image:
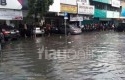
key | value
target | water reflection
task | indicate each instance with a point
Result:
(102, 59)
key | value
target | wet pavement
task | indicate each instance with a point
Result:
(89, 56)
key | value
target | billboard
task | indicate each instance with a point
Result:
(68, 8)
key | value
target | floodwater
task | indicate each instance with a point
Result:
(89, 56)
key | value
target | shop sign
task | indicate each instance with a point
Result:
(76, 17)
(85, 9)
(116, 3)
(74, 2)
(84, 2)
(68, 8)
(6, 14)
(112, 14)
(60, 14)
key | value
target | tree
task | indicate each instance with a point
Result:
(38, 7)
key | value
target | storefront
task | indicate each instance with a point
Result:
(72, 8)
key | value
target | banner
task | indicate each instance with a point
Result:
(85, 9)
(6, 14)
(68, 8)
(113, 14)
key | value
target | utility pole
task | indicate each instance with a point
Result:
(65, 22)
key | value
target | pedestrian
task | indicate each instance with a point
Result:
(25, 30)
(48, 29)
(21, 29)
(28, 31)
(113, 26)
(33, 30)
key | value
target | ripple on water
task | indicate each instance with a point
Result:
(103, 60)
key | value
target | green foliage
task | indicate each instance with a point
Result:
(38, 7)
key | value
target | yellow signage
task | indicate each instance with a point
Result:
(68, 8)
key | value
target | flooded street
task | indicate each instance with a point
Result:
(89, 56)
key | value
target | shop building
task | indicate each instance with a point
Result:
(106, 10)
(10, 10)
(78, 10)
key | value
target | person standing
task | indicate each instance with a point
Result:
(48, 29)
(32, 30)
(25, 30)
(21, 29)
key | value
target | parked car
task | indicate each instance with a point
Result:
(10, 33)
(70, 29)
(120, 27)
(55, 30)
(39, 31)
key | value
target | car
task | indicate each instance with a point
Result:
(70, 29)
(120, 27)
(39, 31)
(55, 30)
(10, 33)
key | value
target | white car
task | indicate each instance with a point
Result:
(38, 31)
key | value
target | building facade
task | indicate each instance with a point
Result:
(77, 10)
(106, 10)
(88, 11)
(80, 11)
